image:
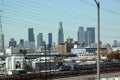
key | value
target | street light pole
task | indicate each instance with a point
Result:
(98, 40)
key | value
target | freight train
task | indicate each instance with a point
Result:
(89, 66)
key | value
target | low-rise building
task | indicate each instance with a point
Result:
(85, 56)
(64, 48)
(11, 51)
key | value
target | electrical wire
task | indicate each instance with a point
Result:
(105, 9)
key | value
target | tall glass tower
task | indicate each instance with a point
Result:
(91, 35)
(60, 34)
(31, 38)
(21, 44)
(39, 40)
(1, 37)
(81, 36)
(31, 35)
(50, 39)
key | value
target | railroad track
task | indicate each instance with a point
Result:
(56, 75)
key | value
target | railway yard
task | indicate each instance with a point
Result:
(61, 75)
(65, 69)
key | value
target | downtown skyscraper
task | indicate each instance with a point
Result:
(40, 40)
(12, 43)
(81, 38)
(86, 38)
(50, 39)
(90, 35)
(60, 34)
(1, 37)
(31, 38)
(21, 43)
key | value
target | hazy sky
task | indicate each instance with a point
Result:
(44, 16)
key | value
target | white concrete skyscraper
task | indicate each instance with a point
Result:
(1, 37)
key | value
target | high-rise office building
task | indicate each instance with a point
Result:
(60, 34)
(86, 38)
(22, 41)
(31, 38)
(1, 37)
(12, 43)
(50, 39)
(21, 44)
(91, 35)
(81, 36)
(31, 35)
(44, 43)
(40, 40)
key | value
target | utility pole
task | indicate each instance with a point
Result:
(45, 61)
(1, 31)
(49, 47)
(98, 40)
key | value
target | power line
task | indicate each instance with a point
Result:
(40, 29)
(38, 19)
(37, 15)
(82, 0)
(24, 22)
(19, 22)
(28, 3)
(26, 12)
(42, 15)
(111, 11)
(56, 15)
(37, 26)
(22, 13)
(47, 9)
(41, 19)
(105, 9)
(23, 25)
(15, 14)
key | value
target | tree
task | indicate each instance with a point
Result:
(114, 55)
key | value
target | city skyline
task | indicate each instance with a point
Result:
(82, 38)
(43, 16)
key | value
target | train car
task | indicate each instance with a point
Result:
(94, 66)
(84, 67)
(65, 68)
